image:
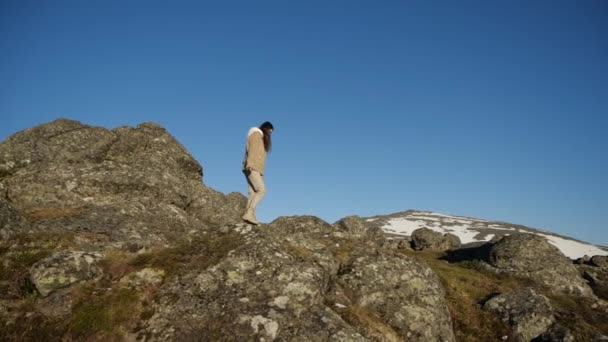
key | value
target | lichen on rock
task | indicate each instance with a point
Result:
(64, 269)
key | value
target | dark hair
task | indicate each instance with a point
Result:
(266, 127)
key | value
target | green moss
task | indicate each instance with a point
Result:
(103, 314)
(200, 252)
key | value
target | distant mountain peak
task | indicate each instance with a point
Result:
(475, 231)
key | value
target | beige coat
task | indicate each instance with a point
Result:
(255, 154)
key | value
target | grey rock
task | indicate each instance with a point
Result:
(280, 283)
(599, 261)
(529, 314)
(597, 279)
(63, 269)
(353, 227)
(390, 244)
(557, 333)
(10, 220)
(404, 244)
(135, 186)
(532, 256)
(265, 289)
(300, 225)
(583, 260)
(406, 294)
(427, 239)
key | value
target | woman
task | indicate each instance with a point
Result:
(258, 145)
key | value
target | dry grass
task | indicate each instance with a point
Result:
(102, 315)
(200, 252)
(46, 240)
(117, 264)
(342, 249)
(368, 323)
(467, 287)
(579, 315)
(14, 272)
(41, 214)
(298, 252)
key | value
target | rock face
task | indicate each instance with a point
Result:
(131, 186)
(64, 269)
(427, 239)
(532, 256)
(530, 314)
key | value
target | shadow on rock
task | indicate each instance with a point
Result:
(474, 253)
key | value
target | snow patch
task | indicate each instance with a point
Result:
(465, 230)
(573, 249)
(406, 226)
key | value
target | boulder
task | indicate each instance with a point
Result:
(396, 243)
(585, 259)
(354, 227)
(289, 225)
(599, 261)
(597, 279)
(404, 244)
(405, 293)
(63, 269)
(427, 239)
(529, 314)
(533, 257)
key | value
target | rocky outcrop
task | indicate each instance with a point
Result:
(532, 256)
(177, 263)
(267, 288)
(285, 281)
(427, 239)
(527, 312)
(64, 269)
(128, 185)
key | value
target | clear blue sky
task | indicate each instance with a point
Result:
(489, 109)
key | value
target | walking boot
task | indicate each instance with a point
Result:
(249, 217)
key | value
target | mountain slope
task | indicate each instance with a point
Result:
(471, 230)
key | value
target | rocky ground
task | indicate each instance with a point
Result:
(111, 235)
